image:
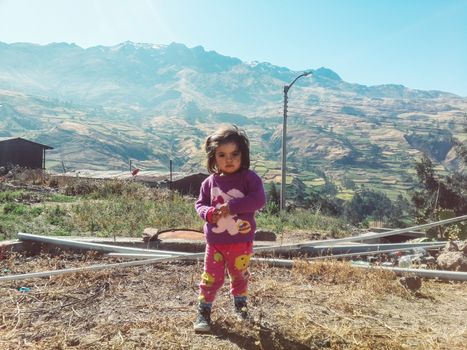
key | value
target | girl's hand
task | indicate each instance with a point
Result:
(215, 217)
(224, 209)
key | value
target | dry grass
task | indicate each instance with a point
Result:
(333, 272)
(325, 305)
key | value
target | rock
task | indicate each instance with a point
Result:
(451, 247)
(463, 247)
(262, 235)
(450, 260)
(73, 341)
(150, 234)
(412, 283)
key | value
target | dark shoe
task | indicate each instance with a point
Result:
(203, 319)
(241, 307)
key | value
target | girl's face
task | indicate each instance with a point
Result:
(228, 158)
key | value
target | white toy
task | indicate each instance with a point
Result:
(225, 223)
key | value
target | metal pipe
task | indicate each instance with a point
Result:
(443, 275)
(147, 260)
(135, 251)
(272, 262)
(439, 274)
(335, 256)
(114, 249)
(295, 246)
(374, 252)
(97, 267)
(364, 236)
(361, 248)
(138, 255)
(275, 262)
(106, 248)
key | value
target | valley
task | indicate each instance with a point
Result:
(150, 105)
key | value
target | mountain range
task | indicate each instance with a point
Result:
(103, 106)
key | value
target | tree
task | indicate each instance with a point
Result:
(354, 210)
(399, 209)
(347, 182)
(327, 205)
(365, 203)
(273, 199)
(437, 193)
(437, 197)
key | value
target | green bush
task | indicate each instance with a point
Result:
(14, 209)
(10, 196)
(300, 219)
(60, 198)
(56, 215)
(36, 211)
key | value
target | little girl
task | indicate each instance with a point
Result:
(227, 202)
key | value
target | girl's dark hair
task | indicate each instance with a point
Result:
(223, 136)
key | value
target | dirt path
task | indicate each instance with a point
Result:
(313, 306)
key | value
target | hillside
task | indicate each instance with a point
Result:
(104, 106)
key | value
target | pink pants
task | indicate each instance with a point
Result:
(235, 258)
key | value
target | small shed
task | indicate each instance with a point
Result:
(25, 153)
(189, 184)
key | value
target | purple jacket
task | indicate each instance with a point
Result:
(244, 192)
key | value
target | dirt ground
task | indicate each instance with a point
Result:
(325, 305)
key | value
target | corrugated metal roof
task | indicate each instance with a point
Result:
(3, 139)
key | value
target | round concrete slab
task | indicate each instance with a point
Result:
(181, 234)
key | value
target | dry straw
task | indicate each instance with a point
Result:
(312, 306)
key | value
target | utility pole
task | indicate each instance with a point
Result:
(284, 151)
(170, 181)
(284, 140)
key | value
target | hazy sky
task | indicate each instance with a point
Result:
(421, 44)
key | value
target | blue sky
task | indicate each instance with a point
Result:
(421, 44)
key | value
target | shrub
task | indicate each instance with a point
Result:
(56, 215)
(300, 219)
(14, 208)
(10, 196)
